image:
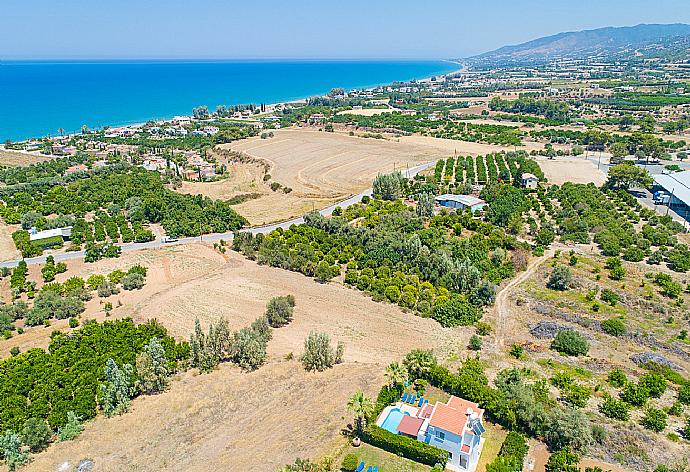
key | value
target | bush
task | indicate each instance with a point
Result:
(73, 322)
(517, 351)
(577, 395)
(475, 343)
(684, 394)
(613, 326)
(36, 434)
(561, 278)
(563, 461)
(571, 343)
(616, 409)
(279, 310)
(349, 463)
(609, 296)
(654, 383)
(636, 395)
(514, 445)
(404, 446)
(456, 312)
(133, 281)
(106, 289)
(617, 378)
(318, 352)
(655, 419)
(71, 429)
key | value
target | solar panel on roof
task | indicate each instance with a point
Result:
(478, 428)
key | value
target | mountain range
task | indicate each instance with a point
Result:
(622, 43)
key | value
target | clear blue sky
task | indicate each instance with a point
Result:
(303, 28)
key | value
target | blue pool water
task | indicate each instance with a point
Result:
(40, 97)
(393, 420)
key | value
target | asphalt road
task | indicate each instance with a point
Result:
(66, 256)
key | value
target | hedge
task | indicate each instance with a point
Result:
(404, 446)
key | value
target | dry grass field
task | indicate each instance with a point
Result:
(8, 250)
(13, 158)
(322, 168)
(230, 420)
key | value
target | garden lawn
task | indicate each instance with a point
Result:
(386, 461)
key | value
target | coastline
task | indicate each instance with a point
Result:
(459, 67)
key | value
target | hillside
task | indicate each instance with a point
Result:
(624, 43)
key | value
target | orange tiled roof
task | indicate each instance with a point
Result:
(452, 416)
(410, 425)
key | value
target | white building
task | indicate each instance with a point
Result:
(449, 200)
(455, 426)
(529, 180)
(35, 235)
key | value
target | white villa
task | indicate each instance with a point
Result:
(455, 426)
(529, 180)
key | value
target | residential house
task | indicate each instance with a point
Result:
(455, 426)
(76, 168)
(529, 180)
(460, 202)
(64, 233)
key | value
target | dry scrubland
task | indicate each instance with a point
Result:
(530, 302)
(230, 420)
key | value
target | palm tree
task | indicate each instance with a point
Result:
(361, 407)
(61, 131)
(396, 374)
(84, 129)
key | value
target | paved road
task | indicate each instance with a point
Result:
(65, 256)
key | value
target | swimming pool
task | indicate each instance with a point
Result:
(393, 420)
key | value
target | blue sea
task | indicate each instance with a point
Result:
(38, 98)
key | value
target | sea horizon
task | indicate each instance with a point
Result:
(45, 95)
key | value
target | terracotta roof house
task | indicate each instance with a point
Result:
(455, 426)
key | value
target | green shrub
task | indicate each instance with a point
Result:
(684, 394)
(617, 378)
(133, 281)
(36, 434)
(456, 312)
(616, 409)
(73, 322)
(654, 383)
(571, 343)
(404, 446)
(609, 296)
(475, 343)
(279, 310)
(517, 351)
(577, 395)
(613, 326)
(561, 278)
(349, 463)
(562, 461)
(655, 419)
(636, 395)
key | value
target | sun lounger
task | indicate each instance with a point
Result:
(404, 398)
(360, 467)
(414, 399)
(376, 468)
(369, 469)
(421, 401)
